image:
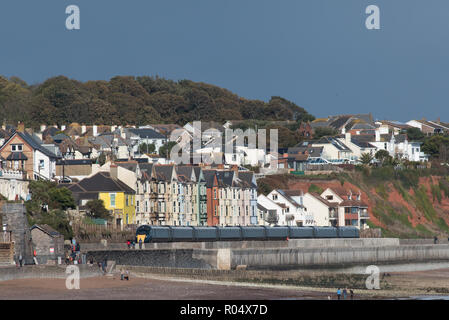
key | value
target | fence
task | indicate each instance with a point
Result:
(322, 167)
(94, 232)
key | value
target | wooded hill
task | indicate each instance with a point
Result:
(133, 100)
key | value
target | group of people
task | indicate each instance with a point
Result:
(132, 244)
(73, 255)
(345, 294)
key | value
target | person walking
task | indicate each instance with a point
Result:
(345, 293)
(140, 243)
(20, 260)
(352, 294)
(338, 294)
(129, 244)
(435, 240)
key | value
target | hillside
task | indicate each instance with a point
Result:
(133, 100)
(406, 207)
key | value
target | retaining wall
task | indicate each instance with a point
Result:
(292, 243)
(275, 258)
(227, 258)
(45, 272)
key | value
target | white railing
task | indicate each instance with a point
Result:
(11, 174)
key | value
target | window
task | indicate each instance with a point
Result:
(112, 200)
(41, 164)
(16, 147)
(137, 206)
(275, 196)
(127, 200)
(329, 197)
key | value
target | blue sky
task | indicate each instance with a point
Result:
(316, 53)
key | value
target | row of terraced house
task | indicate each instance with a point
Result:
(146, 193)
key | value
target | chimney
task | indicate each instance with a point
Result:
(43, 127)
(114, 171)
(94, 130)
(83, 129)
(377, 135)
(348, 137)
(21, 127)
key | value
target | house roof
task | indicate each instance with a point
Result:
(100, 182)
(324, 201)
(288, 196)
(35, 143)
(336, 143)
(209, 177)
(164, 172)
(47, 229)
(184, 173)
(17, 156)
(74, 162)
(146, 133)
(247, 177)
(131, 166)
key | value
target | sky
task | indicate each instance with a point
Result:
(316, 53)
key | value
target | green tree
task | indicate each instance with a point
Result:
(165, 150)
(434, 144)
(324, 131)
(384, 157)
(147, 148)
(414, 134)
(97, 210)
(366, 158)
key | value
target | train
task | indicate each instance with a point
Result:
(148, 233)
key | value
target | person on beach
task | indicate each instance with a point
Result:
(338, 294)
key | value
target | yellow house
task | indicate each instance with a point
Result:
(117, 197)
(121, 204)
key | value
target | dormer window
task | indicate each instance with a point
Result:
(16, 147)
(329, 197)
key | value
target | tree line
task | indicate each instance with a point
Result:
(133, 100)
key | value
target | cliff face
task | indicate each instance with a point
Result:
(419, 211)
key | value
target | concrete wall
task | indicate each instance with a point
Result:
(292, 243)
(275, 258)
(45, 272)
(230, 258)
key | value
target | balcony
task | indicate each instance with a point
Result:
(13, 174)
(364, 214)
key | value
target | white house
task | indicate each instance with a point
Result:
(325, 213)
(295, 213)
(399, 147)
